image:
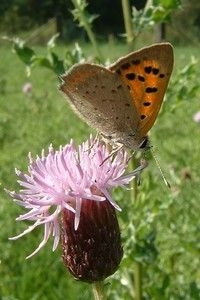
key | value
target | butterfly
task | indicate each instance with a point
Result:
(122, 101)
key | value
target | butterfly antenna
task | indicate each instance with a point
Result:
(159, 168)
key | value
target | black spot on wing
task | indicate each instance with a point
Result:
(125, 66)
(148, 69)
(150, 90)
(155, 71)
(136, 62)
(141, 78)
(162, 75)
(146, 103)
(130, 76)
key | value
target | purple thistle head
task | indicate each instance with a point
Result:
(68, 192)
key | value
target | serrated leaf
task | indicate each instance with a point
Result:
(57, 64)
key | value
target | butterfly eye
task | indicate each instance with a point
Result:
(144, 143)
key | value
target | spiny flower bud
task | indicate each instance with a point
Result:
(93, 251)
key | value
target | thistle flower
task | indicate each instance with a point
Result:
(68, 192)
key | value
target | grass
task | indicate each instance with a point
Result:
(31, 123)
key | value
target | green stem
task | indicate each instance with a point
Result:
(138, 281)
(138, 265)
(134, 183)
(83, 20)
(97, 288)
(128, 23)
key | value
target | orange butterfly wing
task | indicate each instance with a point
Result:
(146, 73)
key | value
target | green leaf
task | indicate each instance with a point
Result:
(167, 4)
(160, 15)
(25, 53)
(41, 61)
(57, 64)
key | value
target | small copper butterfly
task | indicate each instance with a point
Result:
(123, 100)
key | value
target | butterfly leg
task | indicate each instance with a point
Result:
(119, 147)
(93, 141)
(142, 166)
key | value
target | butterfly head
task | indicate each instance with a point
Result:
(144, 143)
(129, 140)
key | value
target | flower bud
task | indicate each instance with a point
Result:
(93, 251)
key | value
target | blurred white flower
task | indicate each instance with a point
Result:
(196, 117)
(27, 88)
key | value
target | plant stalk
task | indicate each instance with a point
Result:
(137, 265)
(84, 22)
(134, 183)
(97, 288)
(138, 280)
(128, 23)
